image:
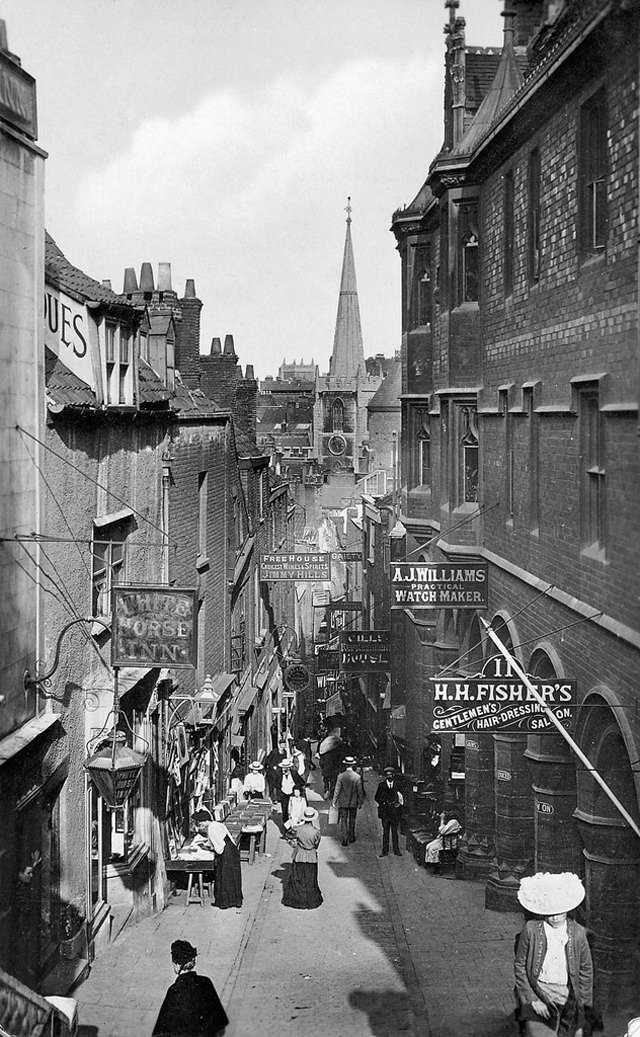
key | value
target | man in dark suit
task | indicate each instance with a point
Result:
(348, 796)
(390, 802)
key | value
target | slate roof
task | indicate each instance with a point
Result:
(70, 279)
(388, 395)
(153, 391)
(64, 388)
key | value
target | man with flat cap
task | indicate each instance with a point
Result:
(348, 797)
(390, 802)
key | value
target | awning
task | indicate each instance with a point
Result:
(25, 735)
(245, 699)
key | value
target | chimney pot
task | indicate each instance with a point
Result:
(229, 347)
(130, 281)
(190, 289)
(106, 282)
(146, 278)
(4, 43)
(250, 375)
(216, 346)
(164, 277)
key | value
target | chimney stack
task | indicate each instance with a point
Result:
(146, 278)
(164, 277)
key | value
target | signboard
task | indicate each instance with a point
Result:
(365, 650)
(497, 700)
(345, 606)
(296, 677)
(327, 659)
(320, 598)
(347, 556)
(18, 97)
(68, 332)
(303, 565)
(154, 626)
(433, 585)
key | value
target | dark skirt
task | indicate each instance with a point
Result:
(301, 888)
(227, 876)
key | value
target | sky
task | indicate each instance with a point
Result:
(225, 136)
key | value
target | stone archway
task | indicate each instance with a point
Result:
(557, 844)
(611, 847)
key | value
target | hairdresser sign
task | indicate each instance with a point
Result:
(498, 700)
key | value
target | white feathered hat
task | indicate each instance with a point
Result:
(549, 894)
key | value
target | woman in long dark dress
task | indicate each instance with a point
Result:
(227, 873)
(191, 1007)
(301, 889)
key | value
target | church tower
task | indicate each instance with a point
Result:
(340, 418)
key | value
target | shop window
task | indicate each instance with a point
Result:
(108, 562)
(592, 164)
(533, 216)
(509, 232)
(592, 473)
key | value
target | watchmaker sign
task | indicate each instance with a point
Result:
(365, 650)
(303, 565)
(434, 585)
(497, 700)
(154, 626)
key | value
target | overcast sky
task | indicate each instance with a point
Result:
(224, 136)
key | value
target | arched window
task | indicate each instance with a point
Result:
(337, 415)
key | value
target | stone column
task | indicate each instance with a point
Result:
(514, 843)
(558, 846)
(476, 850)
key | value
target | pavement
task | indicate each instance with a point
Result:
(394, 950)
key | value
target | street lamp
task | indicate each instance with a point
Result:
(114, 767)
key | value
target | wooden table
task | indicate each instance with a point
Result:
(195, 870)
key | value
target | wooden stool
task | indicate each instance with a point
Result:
(197, 890)
(254, 832)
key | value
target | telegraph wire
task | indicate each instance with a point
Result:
(101, 486)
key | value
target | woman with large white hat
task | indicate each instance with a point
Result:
(553, 967)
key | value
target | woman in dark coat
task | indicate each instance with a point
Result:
(301, 888)
(191, 1007)
(227, 873)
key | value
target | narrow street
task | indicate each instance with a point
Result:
(393, 950)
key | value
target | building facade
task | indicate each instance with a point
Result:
(519, 444)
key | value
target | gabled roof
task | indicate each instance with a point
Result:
(507, 80)
(69, 278)
(388, 395)
(192, 402)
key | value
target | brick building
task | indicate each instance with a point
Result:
(519, 443)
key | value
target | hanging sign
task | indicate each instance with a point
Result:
(345, 606)
(302, 565)
(153, 626)
(296, 677)
(365, 650)
(347, 556)
(70, 332)
(327, 659)
(497, 700)
(434, 585)
(18, 97)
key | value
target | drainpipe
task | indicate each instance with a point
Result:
(166, 483)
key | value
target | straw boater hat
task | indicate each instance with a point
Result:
(389, 770)
(285, 763)
(255, 766)
(549, 894)
(309, 813)
(349, 761)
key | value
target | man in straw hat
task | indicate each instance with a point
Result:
(289, 779)
(553, 967)
(348, 797)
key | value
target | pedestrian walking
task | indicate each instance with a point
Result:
(272, 768)
(390, 802)
(348, 798)
(297, 807)
(299, 762)
(301, 888)
(289, 779)
(227, 873)
(254, 783)
(553, 966)
(191, 1007)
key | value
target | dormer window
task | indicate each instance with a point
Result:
(119, 376)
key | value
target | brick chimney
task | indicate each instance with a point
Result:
(220, 372)
(246, 403)
(188, 337)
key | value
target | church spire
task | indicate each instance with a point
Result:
(348, 351)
